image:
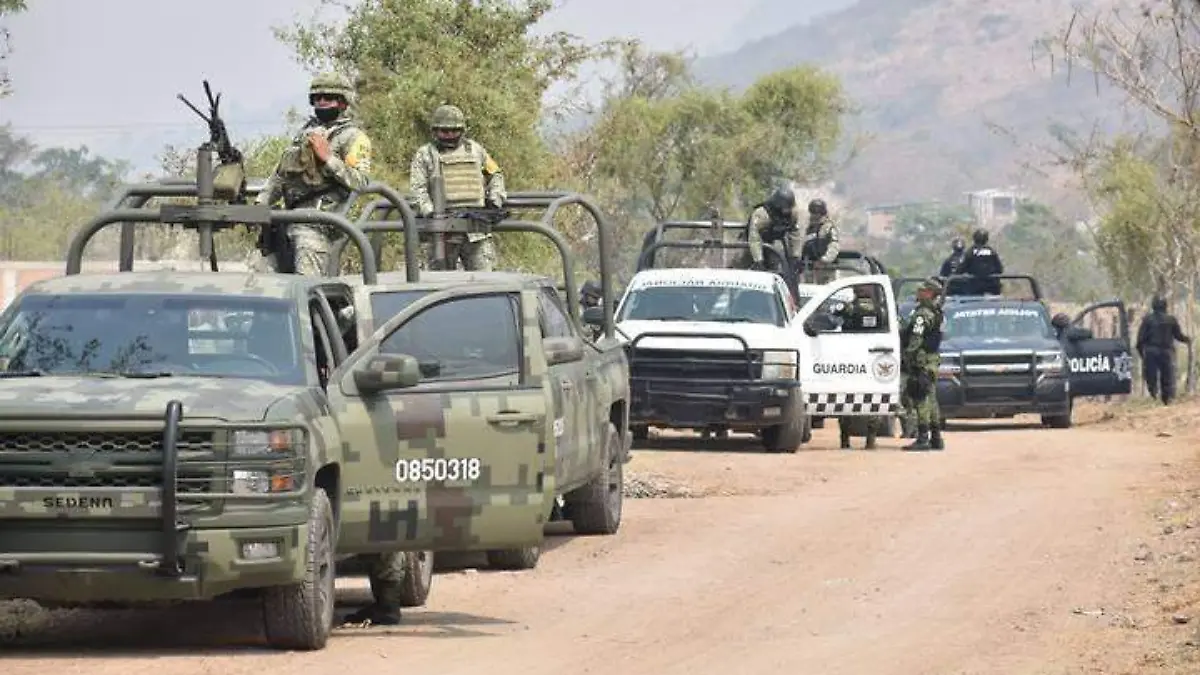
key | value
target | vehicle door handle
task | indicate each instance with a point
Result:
(881, 350)
(511, 418)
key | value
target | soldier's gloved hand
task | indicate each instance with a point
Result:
(495, 203)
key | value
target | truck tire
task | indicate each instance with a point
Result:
(1060, 421)
(640, 432)
(514, 558)
(418, 578)
(300, 616)
(806, 434)
(595, 508)
(788, 436)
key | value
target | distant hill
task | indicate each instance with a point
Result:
(929, 75)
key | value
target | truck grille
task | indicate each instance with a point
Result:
(100, 441)
(998, 376)
(131, 460)
(670, 364)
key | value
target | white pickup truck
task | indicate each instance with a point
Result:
(725, 349)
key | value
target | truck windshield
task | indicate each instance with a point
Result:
(153, 334)
(701, 303)
(998, 322)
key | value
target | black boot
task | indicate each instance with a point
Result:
(870, 440)
(922, 442)
(844, 433)
(935, 437)
(375, 614)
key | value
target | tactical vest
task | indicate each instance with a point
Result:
(1160, 332)
(299, 166)
(860, 310)
(776, 229)
(932, 340)
(462, 176)
(815, 246)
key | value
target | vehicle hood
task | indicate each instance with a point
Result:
(756, 335)
(1036, 343)
(229, 399)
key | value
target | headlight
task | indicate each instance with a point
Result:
(1050, 362)
(950, 364)
(779, 365)
(265, 443)
(266, 461)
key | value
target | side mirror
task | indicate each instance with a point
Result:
(562, 350)
(593, 316)
(819, 323)
(1076, 333)
(386, 372)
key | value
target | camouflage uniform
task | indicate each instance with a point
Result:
(821, 244)
(471, 179)
(775, 220)
(861, 314)
(920, 365)
(303, 182)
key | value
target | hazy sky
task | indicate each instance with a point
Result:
(104, 73)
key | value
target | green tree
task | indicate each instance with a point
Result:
(409, 56)
(921, 237)
(1040, 244)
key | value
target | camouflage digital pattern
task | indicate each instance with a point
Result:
(760, 221)
(348, 444)
(475, 256)
(302, 182)
(920, 362)
(471, 179)
(860, 314)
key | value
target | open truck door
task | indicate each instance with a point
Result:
(1099, 365)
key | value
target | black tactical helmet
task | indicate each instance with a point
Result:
(817, 208)
(591, 289)
(1060, 320)
(957, 245)
(782, 200)
(980, 237)
(1158, 304)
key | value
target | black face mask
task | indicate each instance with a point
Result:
(327, 115)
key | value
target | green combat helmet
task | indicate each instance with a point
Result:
(449, 117)
(331, 84)
(934, 287)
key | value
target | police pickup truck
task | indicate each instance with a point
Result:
(729, 349)
(1002, 357)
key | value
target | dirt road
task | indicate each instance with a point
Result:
(1015, 551)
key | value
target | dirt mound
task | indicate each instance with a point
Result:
(1181, 418)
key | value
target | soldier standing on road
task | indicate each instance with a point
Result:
(470, 179)
(821, 245)
(1156, 347)
(920, 364)
(860, 315)
(775, 220)
(328, 159)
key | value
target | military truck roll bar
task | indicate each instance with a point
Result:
(716, 229)
(218, 216)
(550, 202)
(1034, 287)
(647, 258)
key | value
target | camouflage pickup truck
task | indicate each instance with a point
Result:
(174, 436)
(483, 335)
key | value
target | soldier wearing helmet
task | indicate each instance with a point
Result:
(920, 363)
(328, 159)
(982, 263)
(470, 178)
(774, 220)
(821, 245)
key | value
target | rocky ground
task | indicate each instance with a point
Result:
(1018, 550)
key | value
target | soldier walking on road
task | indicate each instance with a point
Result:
(920, 362)
(470, 179)
(328, 159)
(1156, 346)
